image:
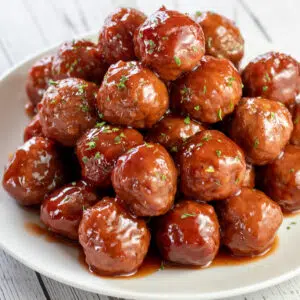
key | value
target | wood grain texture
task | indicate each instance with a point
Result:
(27, 26)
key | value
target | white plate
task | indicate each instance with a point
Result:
(60, 262)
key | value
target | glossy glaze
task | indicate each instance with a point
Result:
(132, 95)
(189, 234)
(170, 43)
(68, 110)
(262, 128)
(249, 179)
(80, 59)
(99, 148)
(295, 138)
(116, 35)
(208, 93)
(223, 39)
(273, 76)
(114, 242)
(146, 179)
(212, 166)
(249, 222)
(34, 170)
(281, 179)
(62, 210)
(37, 79)
(34, 128)
(172, 131)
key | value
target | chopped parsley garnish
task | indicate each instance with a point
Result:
(256, 143)
(115, 129)
(209, 41)
(152, 46)
(207, 137)
(83, 208)
(231, 105)
(148, 145)
(177, 61)
(85, 159)
(210, 169)
(91, 145)
(237, 181)
(198, 13)
(194, 48)
(118, 138)
(81, 88)
(74, 63)
(220, 141)
(66, 199)
(187, 120)
(292, 170)
(204, 89)
(84, 107)
(121, 85)
(140, 34)
(296, 121)
(131, 64)
(73, 183)
(188, 215)
(97, 155)
(108, 99)
(265, 88)
(219, 153)
(199, 144)
(99, 125)
(272, 115)
(185, 90)
(164, 38)
(237, 158)
(163, 177)
(267, 78)
(230, 80)
(174, 149)
(162, 134)
(52, 82)
(162, 266)
(197, 108)
(220, 114)
(217, 182)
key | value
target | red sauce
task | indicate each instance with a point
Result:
(152, 262)
(30, 109)
(291, 214)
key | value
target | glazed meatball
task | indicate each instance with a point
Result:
(80, 59)
(34, 128)
(280, 179)
(249, 222)
(99, 148)
(249, 179)
(223, 38)
(37, 79)
(189, 234)
(208, 93)
(145, 178)
(34, 171)
(62, 210)
(114, 242)
(116, 36)
(262, 128)
(295, 138)
(132, 95)
(173, 131)
(170, 43)
(273, 76)
(68, 110)
(212, 166)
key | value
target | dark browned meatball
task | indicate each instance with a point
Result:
(273, 76)
(249, 179)
(80, 59)
(189, 234)
(145, 178)
(62, 210)
(132, 95)
(34, 171)
(37, 80)
(34, 128)
(262, 128)
(114, 242)
(223, 38)
(280, 179)
(116, 36)
(173, 131)
(68, 110)
(249, 222)
(295, 138)
(212, 166)
(170, 43)
(210, 92)
(99, 148)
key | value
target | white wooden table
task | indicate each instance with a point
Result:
(27, 26)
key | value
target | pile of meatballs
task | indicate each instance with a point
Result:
(156, 132)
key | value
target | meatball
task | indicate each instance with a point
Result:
(295, 138)
(116, 36)
(172, 131)
(80, 59)
(223, 38)
(212, 166)
(170, 43)
(210, 92)
(37, 80)
(262, 128)
(132, 95)
(273, 76)
(114, 242)
(281, 181)
(34, 171)
(145, 178)
(99, 148)
(189, 234)
(34, 128)
(249, 179)
(249, 222)
(68, 110)
(62, 210)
